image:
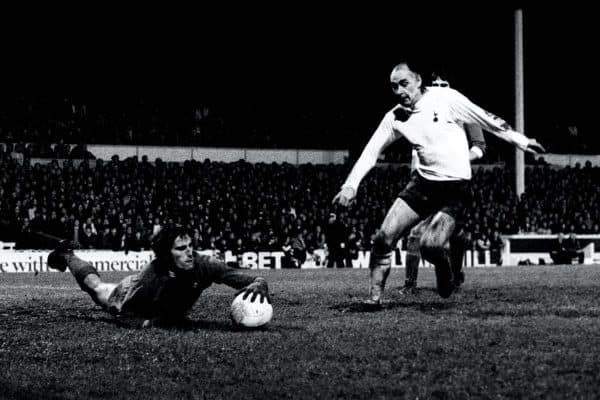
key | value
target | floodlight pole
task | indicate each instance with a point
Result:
(519, 103)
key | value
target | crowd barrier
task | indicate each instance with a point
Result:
(536, 247)
(33, 261)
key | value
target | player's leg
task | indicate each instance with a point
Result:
(457, 254)
(399, 218)
(84, 272)
(435, 248)
(99, 291)
(413, 257)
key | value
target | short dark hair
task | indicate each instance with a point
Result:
(162, 242)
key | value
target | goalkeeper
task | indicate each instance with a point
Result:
(167, 288)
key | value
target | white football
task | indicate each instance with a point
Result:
(250, 314)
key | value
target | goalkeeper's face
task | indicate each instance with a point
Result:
(406, 84)
(182, 253)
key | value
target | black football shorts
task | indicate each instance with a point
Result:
(427, 197)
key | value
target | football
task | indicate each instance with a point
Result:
(250, 314)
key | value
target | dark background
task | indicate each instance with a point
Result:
(262, 61)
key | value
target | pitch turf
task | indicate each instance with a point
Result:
(526, 332)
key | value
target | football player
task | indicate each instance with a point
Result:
(457, 248)
(167, 288)
(432, 119)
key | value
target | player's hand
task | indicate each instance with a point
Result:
(258, 288)
(534, 147)
(345, 197)
(475, 153)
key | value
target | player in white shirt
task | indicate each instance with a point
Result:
(432, 120)
(457, 248)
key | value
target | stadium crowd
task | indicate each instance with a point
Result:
(118, 204)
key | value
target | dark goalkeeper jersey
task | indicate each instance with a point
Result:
(157, 291)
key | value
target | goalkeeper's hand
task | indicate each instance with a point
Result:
(258, 288)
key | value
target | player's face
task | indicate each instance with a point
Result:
(182, 252)
(439, 82)
(406, 85)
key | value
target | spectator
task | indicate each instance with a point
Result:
(103, 239)
(496, 248)
(156, 227)
(54, 226)
(353, 246)
(134, 241)
(298, 249)
(88, 240)
(335, 235)
(115, 240)
(90, 224)
(74, 230)
(272, 241)
(197, 241)
(239, 248)
(559, 249)
(574, 249)
(567, 248)
(482, 245)
(129, 242)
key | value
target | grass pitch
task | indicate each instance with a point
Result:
(526, 332)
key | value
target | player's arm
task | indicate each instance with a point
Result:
(219, 272)
(383, 136)
(476, 142)
(471, 113)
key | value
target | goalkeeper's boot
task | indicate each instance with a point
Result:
(56, 258)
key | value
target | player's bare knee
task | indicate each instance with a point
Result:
(382, 243)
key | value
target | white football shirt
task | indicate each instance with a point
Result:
(435, 130)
